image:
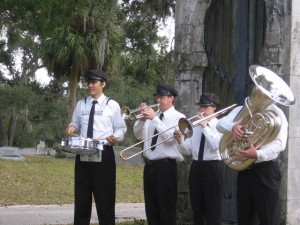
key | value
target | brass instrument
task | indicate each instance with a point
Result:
(185, 126)
(262, 125)
(133, 114)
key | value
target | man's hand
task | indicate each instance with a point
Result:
(178, 136)
(148, 113)
(238, 131)
(142, 108)
(204, 123)
(112, 140)
(250, 152)
(70, 130)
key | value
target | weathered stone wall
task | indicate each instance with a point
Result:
(281, 53)
(190, 57)
(191, 61)
(291, 69)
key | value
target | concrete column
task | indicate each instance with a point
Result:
(190, 63)
(292, 199)
(281, 54)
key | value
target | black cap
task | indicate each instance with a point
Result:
(94, 75)
(209, 99)
(165, 90)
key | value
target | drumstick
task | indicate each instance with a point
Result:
(99, 138)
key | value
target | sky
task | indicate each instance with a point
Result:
(42, 77)
(168, 30)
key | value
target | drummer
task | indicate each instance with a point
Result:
(96, 117)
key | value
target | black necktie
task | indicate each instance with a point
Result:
(154, 139)
(91, 121)
(201, 149)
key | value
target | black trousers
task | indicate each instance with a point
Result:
(206, 192)
(97, 179)
(258, 193)
(160, 190)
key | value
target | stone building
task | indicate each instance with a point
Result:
(215, 43)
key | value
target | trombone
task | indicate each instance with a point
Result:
(185, 126)
(131, 114)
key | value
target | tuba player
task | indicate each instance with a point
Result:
(258, 186)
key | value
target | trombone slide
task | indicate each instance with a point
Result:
(185, 127)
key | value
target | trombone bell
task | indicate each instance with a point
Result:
(185, 128)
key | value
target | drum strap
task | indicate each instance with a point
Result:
(102, 107)
(105, 104)
(108, 98)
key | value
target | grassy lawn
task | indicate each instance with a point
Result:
(45, 180)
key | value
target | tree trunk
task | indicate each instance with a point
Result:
(102, 46)
(11, 127)
(73, 89)
(4, 134)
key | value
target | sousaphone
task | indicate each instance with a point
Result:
(262, 125)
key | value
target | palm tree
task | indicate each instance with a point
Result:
(74, 49)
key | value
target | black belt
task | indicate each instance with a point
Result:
(107, 147)
(256, 165)
(157, 161)
(207, 161)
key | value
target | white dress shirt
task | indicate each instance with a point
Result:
(144, 129)
(107, 120)
(265, 152)
(211, 147)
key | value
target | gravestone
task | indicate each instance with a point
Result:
(41, 149)
(11, 153)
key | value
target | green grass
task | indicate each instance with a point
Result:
(45, 180)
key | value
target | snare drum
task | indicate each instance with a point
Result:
(78, 145)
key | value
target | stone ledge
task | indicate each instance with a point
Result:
(15, 153)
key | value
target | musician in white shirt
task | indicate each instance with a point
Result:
(258, 187)
(94, 177)
(206, 174)
(160, 171)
